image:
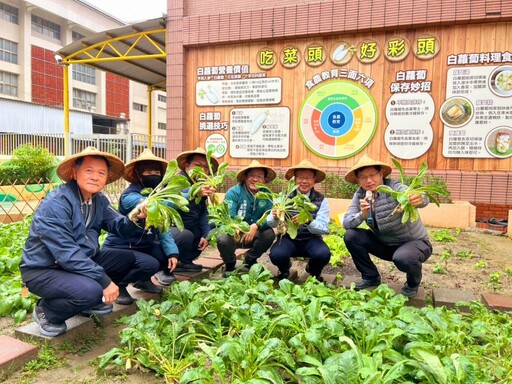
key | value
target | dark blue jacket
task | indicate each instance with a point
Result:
(59, 237)
(130, 198)
(197, 216)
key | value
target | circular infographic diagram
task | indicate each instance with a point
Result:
(338, 119)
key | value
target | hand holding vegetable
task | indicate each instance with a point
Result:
(409, 199)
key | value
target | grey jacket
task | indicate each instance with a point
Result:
(387, 227)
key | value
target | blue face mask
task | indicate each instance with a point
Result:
(151, 181)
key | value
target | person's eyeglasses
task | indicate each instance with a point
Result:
(367, 177)
(201, 165)
(304, 178)
(255, 176)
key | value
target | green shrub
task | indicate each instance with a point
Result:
(35, 163)
(337, 187)
(10, 174)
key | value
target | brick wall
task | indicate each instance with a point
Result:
(117, 95)
(47, 84)
(488, 211)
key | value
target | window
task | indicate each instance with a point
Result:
(76, 36)
(8, 13)
(45, 27)
(84, 73)
(162, 98)
(140, 107)
(8, 51)
(8, 84)
(162, 126)
(83, 99)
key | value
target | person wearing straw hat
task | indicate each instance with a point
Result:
(242, 202)
(309, 242)
(62, 261)
(406, 245)
(192, 240)
(146, 171)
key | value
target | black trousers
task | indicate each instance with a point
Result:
(407, 257)
(187, 242)
(313, 248)
(65, 294)
(227, 246)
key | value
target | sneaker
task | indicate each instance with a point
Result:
(319, 278)
(124, 297)
(98, 310)
(165, 277)
(148, 286)
(229, 268)
(188, 267)
(45, 327)
(367, 283)
(408, 291)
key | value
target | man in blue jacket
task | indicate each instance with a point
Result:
(406, 245)
(146, 171)
(62, 261)
(242, 202)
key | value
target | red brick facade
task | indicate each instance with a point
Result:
(117, 95)
(47, 85)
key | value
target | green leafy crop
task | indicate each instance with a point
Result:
(224, 224)
(161, 201)
(287, 207)
(214, 178)
(404, 207)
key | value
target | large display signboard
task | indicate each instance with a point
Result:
(477, 112)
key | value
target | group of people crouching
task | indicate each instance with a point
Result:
(64, 265)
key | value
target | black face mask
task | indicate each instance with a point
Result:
(151, 181)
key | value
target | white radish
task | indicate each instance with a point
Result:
(212, 95)
(257, 124)
(340, 53)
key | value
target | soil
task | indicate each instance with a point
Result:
(76, 362)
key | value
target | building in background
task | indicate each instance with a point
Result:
(419, 81)
(31, 81)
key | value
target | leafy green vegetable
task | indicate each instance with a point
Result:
(161, 200)
(287, 207)
(214, 178)
(245, 330)
(224, 224)
(404, 207)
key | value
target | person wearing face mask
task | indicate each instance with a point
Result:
(242, 202)
(191, 241)
(146, 171)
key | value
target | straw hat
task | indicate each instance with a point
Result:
(146, 155)
(183, 156)
(115, 170)
(363, 162)
(306, 164)
(271, 174)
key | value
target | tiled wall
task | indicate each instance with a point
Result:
(117, 95)
(47, 84)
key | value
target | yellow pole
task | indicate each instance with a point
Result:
(150, 118)
(66, 110)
